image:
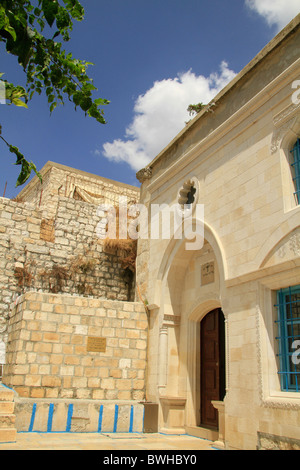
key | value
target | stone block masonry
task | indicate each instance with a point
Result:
(61, 254)
(61, 290)
(47, 355)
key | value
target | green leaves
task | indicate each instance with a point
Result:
(50, 9)
(14, 94)
(26, 167)
(47, 66)
(60, 74)
(15, 31)
(195, 108)
(75, 8)
(5, 25)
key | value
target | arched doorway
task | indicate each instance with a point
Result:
(212, 366)
(184, 295)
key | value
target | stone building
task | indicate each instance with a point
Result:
(224, 336)
(72, 338)
(50, 237)
(205, 339)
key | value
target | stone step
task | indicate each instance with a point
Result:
(8, 435)
(8, 431)
(7, 407)
(6, 394)
(7, 421)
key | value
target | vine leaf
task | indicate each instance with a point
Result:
(26, 167)
(47, 66)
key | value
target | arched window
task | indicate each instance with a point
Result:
(296, 169)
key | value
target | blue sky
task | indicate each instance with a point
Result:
(152, 59)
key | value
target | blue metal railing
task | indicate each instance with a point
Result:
(296, 169)
(288, 322)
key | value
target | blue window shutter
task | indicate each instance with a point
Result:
(296, 168)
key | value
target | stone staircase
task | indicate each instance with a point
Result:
(8, 432)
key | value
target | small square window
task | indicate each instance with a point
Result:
(288, 322)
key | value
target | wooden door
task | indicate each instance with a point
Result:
(212, 366)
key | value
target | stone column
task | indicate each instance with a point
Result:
(163, 359)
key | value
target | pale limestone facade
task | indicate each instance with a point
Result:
(235, 156)
(237, 151)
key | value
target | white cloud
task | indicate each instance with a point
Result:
(276, 12)
(161, 113)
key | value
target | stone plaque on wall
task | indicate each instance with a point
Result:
(207, 273)
(96, 344)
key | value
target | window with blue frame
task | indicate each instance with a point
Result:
(296, 170)
(288, 322)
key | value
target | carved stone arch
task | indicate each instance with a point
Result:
(175, 245)
(203, 305)
(281, 235)
(176, 255)
(291, 132)
(286, 127)
(286, 132)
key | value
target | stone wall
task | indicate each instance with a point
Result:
(78, 416)
(62, 181)
(47, 355)
(60, 254)
(270, 442)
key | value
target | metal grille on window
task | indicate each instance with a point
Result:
(296, 169)
(288, 321)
